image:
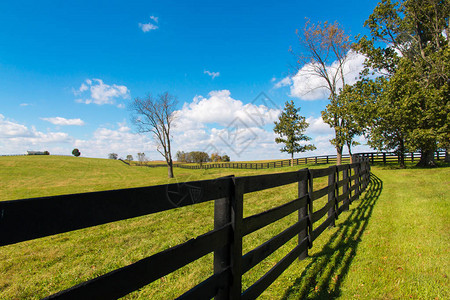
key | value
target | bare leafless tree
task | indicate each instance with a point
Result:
(324, 53)
(156, 115)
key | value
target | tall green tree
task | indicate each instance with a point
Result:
(409, 47)
(347, 108)
(290, 128)
(325, 51)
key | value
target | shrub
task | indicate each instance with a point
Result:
(76, 152)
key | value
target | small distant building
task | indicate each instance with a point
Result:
(37, 152)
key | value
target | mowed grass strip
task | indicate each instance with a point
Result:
(342, 255)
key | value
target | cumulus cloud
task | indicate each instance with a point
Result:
(146, 27)
(212, 74)
(306, 85)
(220, 108)
(9, 129)
(226, 125)
(101, 93)
(64, 122)
(318, 127)
(283, 82)
(121, 140)
(17, 138)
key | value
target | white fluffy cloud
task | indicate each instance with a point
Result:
(120, 140)
(283, 82)
(146, 27)
(222, 109)
(306, 85)
(101, 93)
(318, 127)
(17, 138)
(64, 122)
(212, 74)
(224, 124)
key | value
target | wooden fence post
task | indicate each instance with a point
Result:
(303, 212)
(345, 189)
(306, 160)
(357, 181)
(237, 207)
(327, 159)
(315, 160)
(384, 158)
(222, 257)
(310, 207)
(331, 197)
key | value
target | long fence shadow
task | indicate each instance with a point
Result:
(323, 276)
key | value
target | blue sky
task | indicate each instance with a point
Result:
(68, 69)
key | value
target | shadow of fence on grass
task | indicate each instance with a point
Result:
(323, 276)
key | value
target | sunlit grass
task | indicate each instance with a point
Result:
(392, 244)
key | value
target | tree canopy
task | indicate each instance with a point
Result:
(409, 49)
(290, 128)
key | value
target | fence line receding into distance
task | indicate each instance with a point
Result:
(373, 157)
(27, 219)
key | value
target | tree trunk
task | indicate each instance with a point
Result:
(401, 154)
(339, 155)
(292, 159)
(350, 152)
(426, 159)
(447, 155)
(170, 169)
(402, 159)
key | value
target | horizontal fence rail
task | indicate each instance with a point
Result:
(27, 219)
(373, 157)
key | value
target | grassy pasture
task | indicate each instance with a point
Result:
(393, 243)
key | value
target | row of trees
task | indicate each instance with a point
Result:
(200, 157)
(401, 100)
(141, 157)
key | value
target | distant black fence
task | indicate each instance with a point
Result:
(388, 157)
(27, 219)
(374, 157)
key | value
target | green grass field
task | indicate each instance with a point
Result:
(392, 244)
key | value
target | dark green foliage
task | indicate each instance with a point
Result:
(290, 128)
(113, 156)
(76, 152)
(193, 157)
(412, 111)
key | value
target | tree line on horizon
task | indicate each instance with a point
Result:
(200, 157)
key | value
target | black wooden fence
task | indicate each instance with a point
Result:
(22, 220)
(375, 157)
(389, 157)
